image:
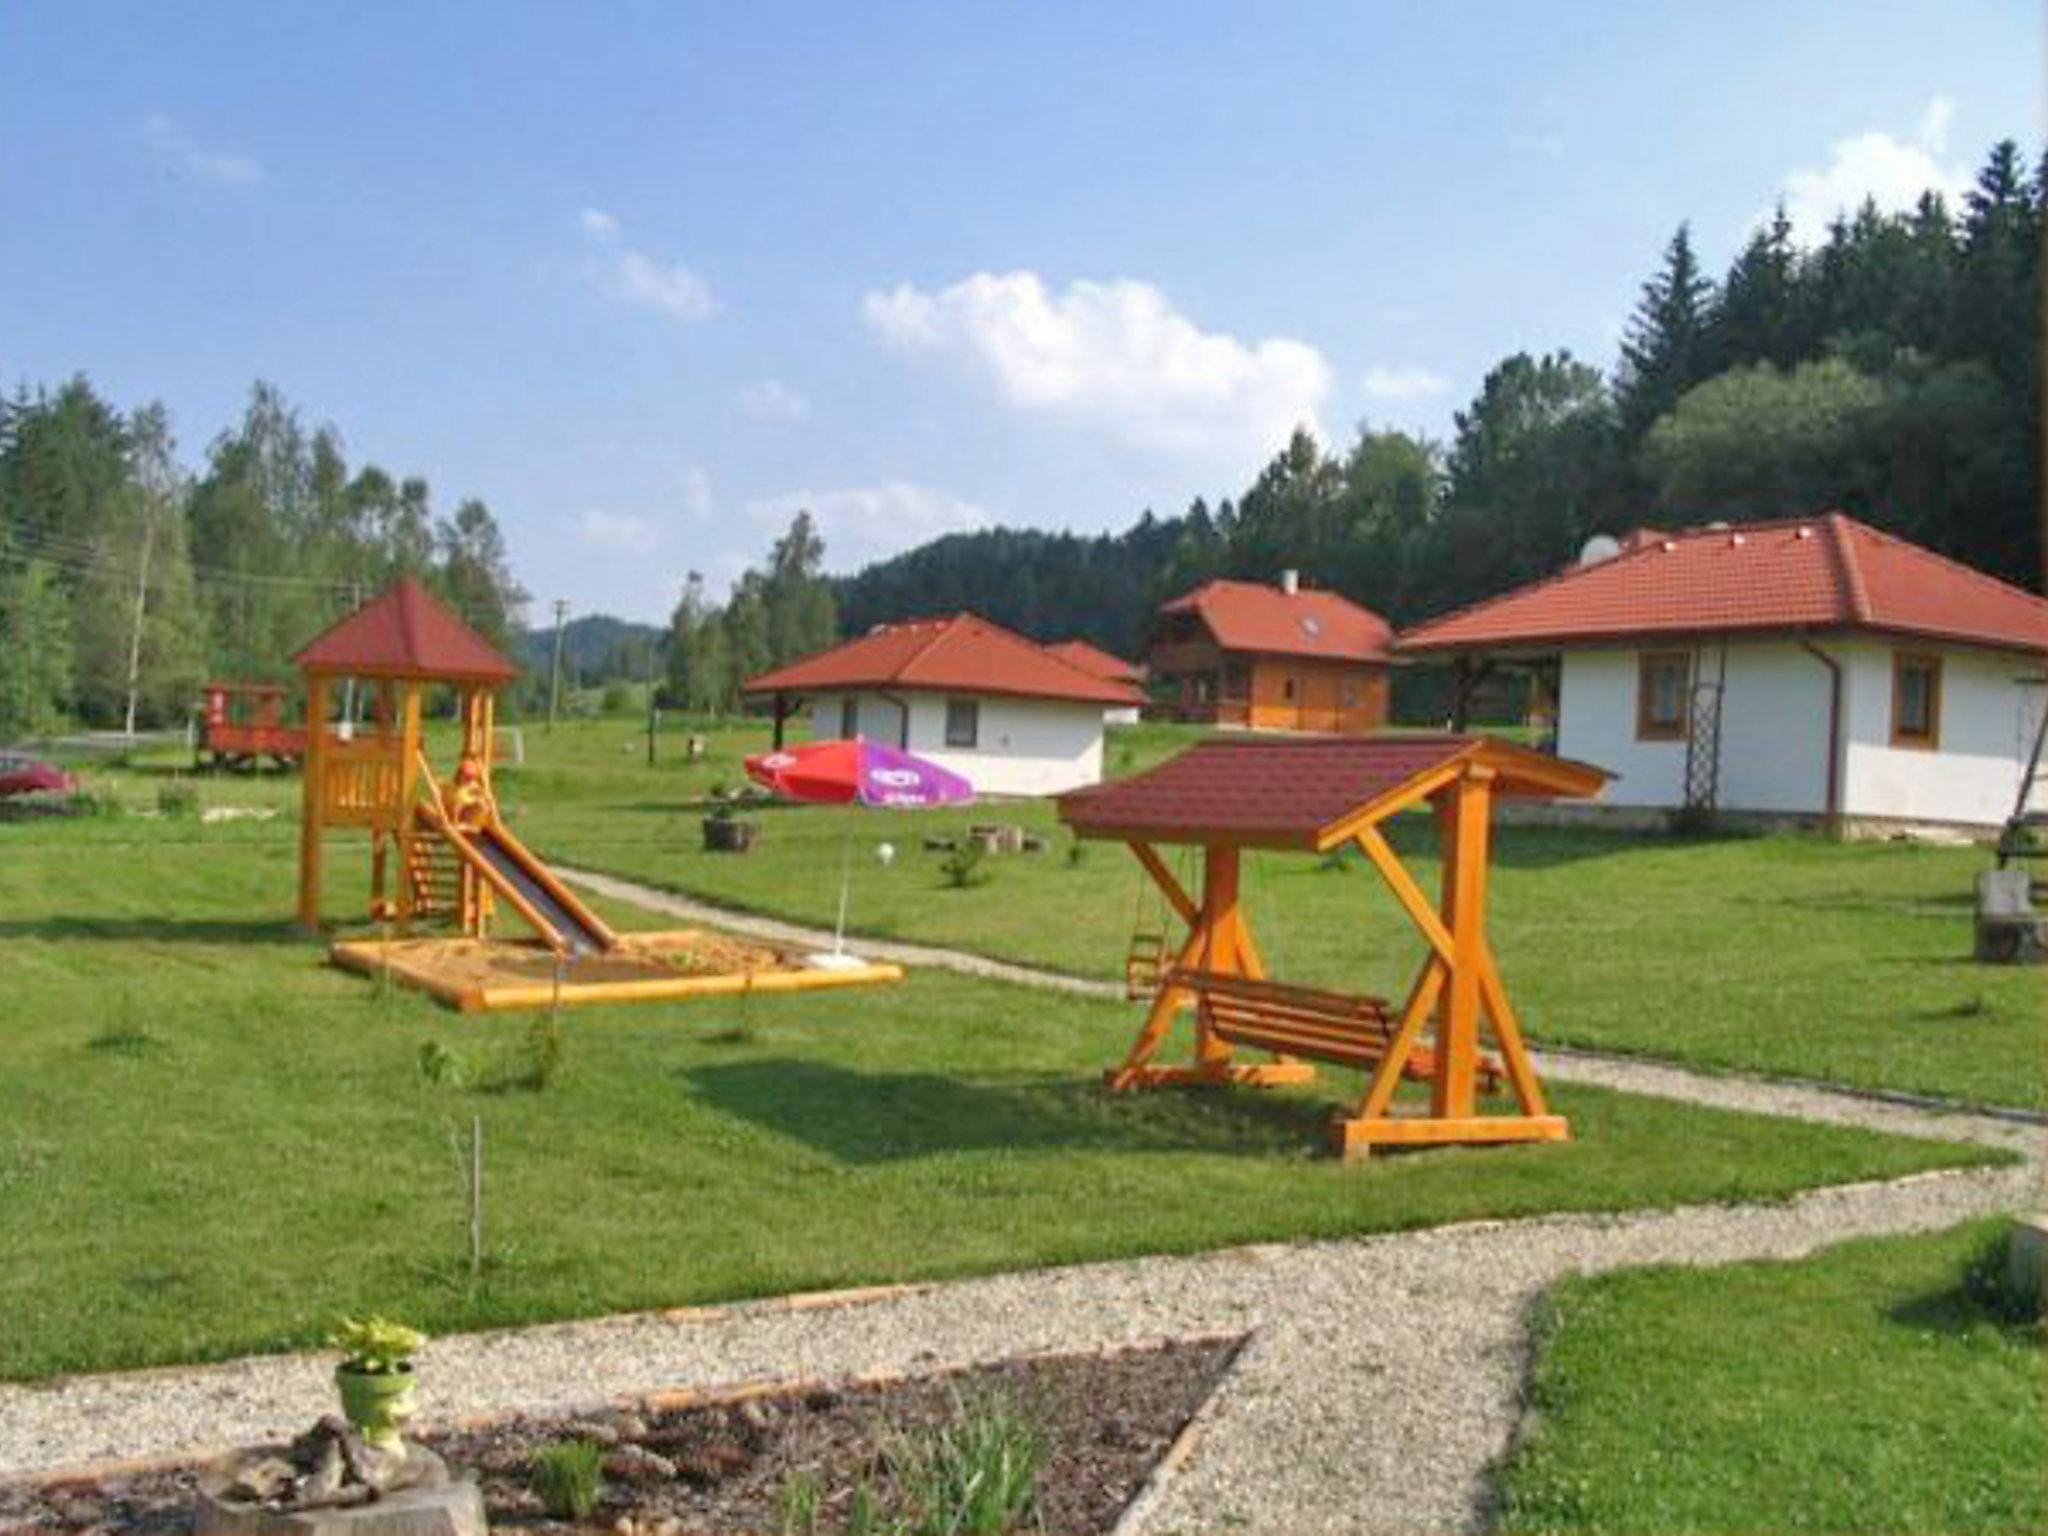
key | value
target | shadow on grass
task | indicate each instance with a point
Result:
(151, 930)
(881, 1117)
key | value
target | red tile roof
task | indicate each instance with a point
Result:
(961, 654)
(1295, 793)
(1094, 659)
(1799, 574)
(1249, 616)
(405, 632)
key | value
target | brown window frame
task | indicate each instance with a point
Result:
(1930, 739)
(1648, 727)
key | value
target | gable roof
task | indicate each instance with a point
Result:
(1250, 616)
(405, 632)
(1095, 660)
(1828, 572)
(961, 654)
(1305, 793)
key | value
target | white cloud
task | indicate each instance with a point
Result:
(180, 153)
(697, 497)
(1115, 358)
(618, 530)
(1403, 383)
(773, 400)
(1888, 170)
(871, 522)
(635, 277)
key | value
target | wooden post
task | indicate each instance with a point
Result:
(312, 802)
(1220, 920)
(408, 787)
(1457, 1044)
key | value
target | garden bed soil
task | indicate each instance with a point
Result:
(704, 1463)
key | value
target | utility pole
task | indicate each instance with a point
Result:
(555, 671)
(141, 606)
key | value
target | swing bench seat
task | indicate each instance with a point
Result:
(1345, 1029)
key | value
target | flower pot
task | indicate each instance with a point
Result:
(377, 1402)
(728, 834)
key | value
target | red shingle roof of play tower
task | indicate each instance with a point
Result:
(405, 632)
(1809, 573)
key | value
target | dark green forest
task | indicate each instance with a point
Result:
(1893, 372)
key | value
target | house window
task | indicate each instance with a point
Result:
(1237, 679)
(1287, 690)
(849, 718)
(1916, 699)
(963, 722)
(1662, 682)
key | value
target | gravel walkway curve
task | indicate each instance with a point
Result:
(1382, 1381)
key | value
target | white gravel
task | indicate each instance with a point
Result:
(1383, 1380)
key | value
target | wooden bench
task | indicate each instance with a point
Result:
(1343, 1028)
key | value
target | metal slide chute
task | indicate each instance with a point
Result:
(523, 883)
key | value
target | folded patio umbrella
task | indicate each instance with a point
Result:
(863, 772)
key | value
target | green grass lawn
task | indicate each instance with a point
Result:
(211, 1142)
(1870, 1388)
(1786, 955)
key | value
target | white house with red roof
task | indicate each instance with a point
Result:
(1283, 658)
(1802, 667)
(1005, 712)
(1107, 665)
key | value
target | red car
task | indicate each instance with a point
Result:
(21, 775)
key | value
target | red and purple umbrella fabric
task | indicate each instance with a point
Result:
(843, 772)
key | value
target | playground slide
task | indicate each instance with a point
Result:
(515, 873)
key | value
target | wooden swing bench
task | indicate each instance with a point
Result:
(1345, 1029)
(1313, 795)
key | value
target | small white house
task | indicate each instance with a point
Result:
(1800, 668)
(1002, 711)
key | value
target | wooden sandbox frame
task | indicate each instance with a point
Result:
(492, 975)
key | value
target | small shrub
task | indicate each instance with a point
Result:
(1335, 862)
(178, 801)
(568, 1477)
(442, 1067)
(529, 1064)
(1987, 1281)
(376, 1346)
(965, 864)
(617, 699)
(93, 802)
(1077, 854)
(977, 1475)
(129, 1040)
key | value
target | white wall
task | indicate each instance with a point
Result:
(1774, 732)
(1024, 747)
(1987, 721)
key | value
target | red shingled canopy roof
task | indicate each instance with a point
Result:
(1095, 660)
(961, 654)
(1302, 793)
(1249, 616)
(1799, 574)
(405, 632)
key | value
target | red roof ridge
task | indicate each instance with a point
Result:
(1634, 551)
(1839, 525)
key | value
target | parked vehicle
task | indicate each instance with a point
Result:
(24, 775)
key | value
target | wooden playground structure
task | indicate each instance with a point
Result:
(440, 852)
(1315, 796)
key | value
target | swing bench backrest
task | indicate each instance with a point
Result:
(1343, 1028)
(1346, 1028)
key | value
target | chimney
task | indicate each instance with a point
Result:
(1290, 581)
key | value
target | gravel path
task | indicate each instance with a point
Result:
(1382, 1381)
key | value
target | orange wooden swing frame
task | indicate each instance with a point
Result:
(1458, 985)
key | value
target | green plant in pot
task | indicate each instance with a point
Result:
(375, 1377)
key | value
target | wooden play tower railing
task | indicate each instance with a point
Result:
(1313, 796)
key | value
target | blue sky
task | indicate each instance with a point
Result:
(645, 277)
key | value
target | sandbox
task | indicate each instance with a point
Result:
(482, 975)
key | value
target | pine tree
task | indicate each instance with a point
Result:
(1756, 321)
(1665, 351)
